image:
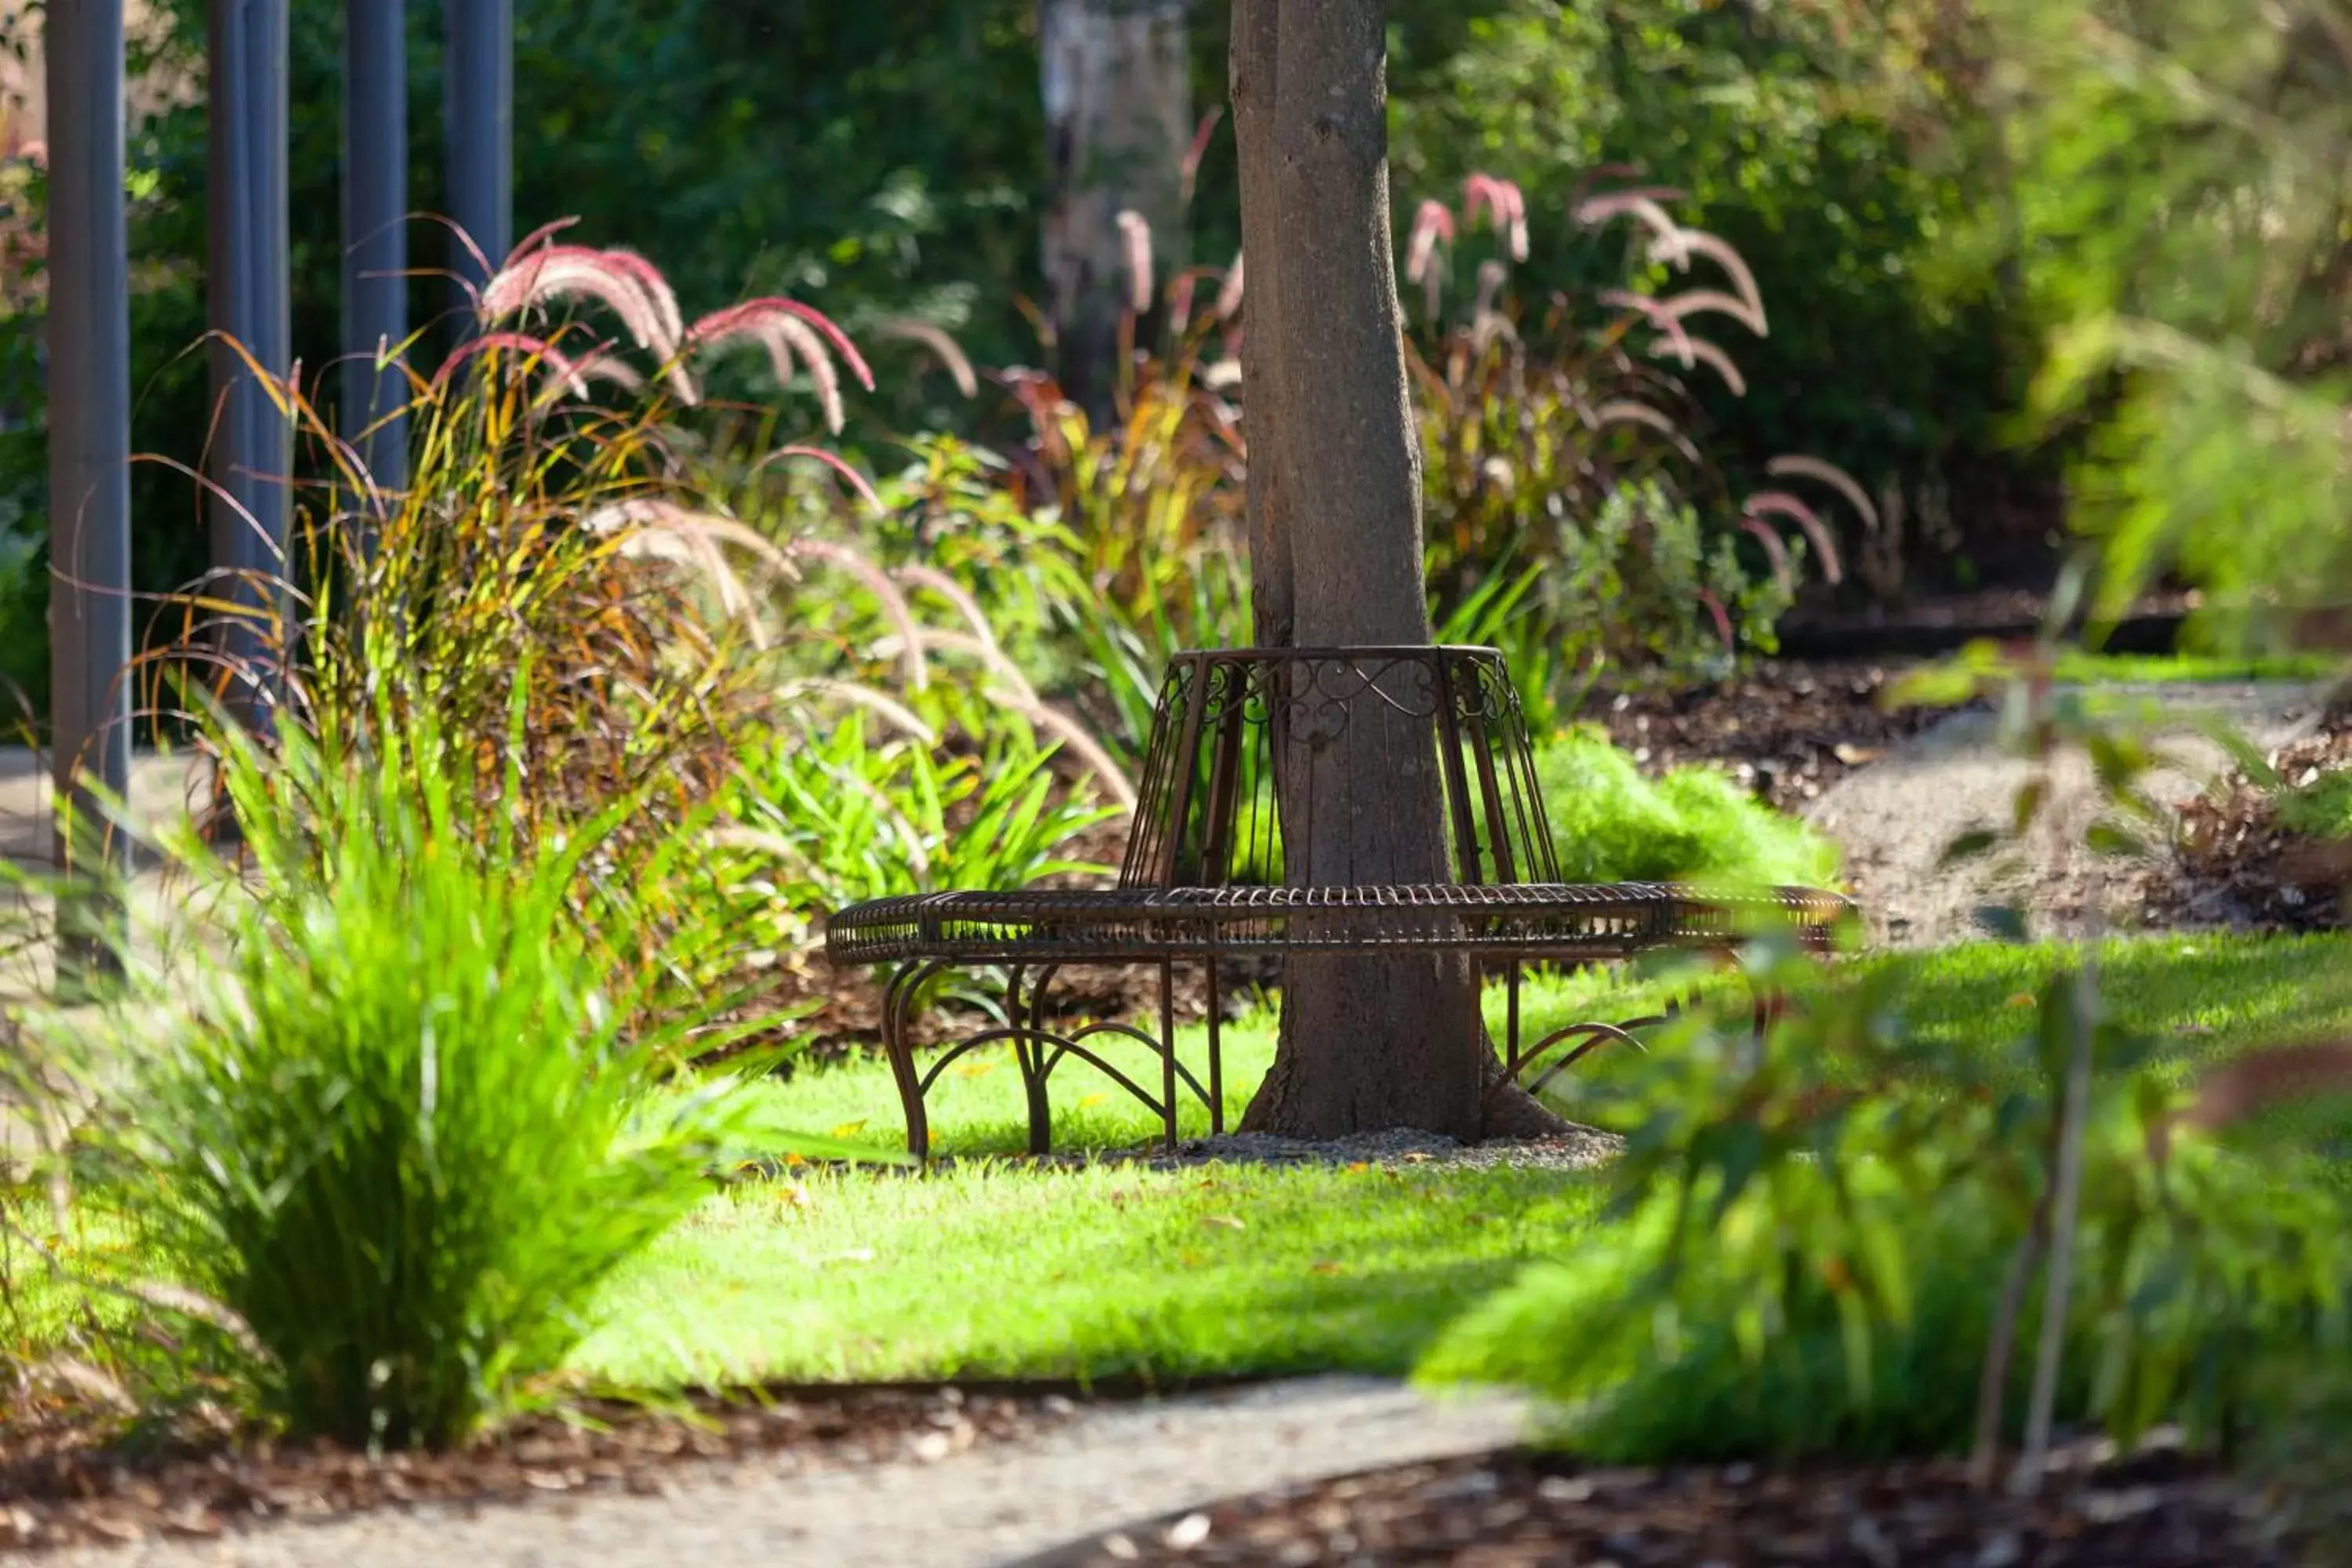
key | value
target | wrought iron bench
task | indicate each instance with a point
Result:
(1207, 877)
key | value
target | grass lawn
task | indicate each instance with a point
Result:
(2149, 669)
(994, 1269)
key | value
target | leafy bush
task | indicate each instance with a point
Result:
(1896, 351)
(2199, 353)
(1610, 824)
(402, 1133)
(1831, 1245)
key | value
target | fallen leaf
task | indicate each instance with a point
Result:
(1225, 1221)
(1323, 1266)
(849, 1129)
(1854, 757)
(1419, 1158)
(1359, 1165)
(2021, 999)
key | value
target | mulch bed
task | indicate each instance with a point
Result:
(1786, 730)
(1518, 1510)
(2234, 866)
(71, 1481)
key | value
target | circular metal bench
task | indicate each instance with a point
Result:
(1208, 876)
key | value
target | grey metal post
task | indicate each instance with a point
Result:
(479, 79)
(89, 439)
(375, 232)
(247, 297)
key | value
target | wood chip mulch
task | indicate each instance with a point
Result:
(70, 1481)
(2234, 865)
(1518, 1510)
(1786, 730)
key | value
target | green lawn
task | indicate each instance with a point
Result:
(996, 1269)
(987, 1270)
(2150, 670)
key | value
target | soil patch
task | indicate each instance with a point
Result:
(2236, 864)
(71, 1481)
(1786, 730)
(1513, 1507)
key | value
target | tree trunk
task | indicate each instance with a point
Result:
(1394, 1039)
(1118, 94)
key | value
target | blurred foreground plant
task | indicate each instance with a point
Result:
(1819, 1243)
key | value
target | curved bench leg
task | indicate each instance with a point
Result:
(898, 1017)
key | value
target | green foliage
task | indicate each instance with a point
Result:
(1888, 325)
(847, 816)
(2322, 808)
(1819, 1232)
(1610, 824)
(2180, 174)
(403, 1134)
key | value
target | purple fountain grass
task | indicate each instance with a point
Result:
(534, 351)
(1690, 242)
(1774, 551)
(1656, 313)
(1432, 226)
(858, 484)
(796, 337)
(1505, 205)
(945, 349)
(1798, 466)
(1229, 297)
(1708, 354)
(1781, 503)
(1187, 176)
(1702, 302)
(622, 282)
(1135, 245)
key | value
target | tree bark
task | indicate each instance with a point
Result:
(1117, 85)
(1396, 1039)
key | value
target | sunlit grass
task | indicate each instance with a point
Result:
(989, 1271)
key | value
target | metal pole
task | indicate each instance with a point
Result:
(479, 79)
(90, 447)
(376, 234)
(246, 302)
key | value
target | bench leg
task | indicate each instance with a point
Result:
(1029, 1054)
(898, 1017)
(1216, 1056)
(1168, 1046)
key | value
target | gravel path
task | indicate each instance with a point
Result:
(1119, 1465)
(1894, 817)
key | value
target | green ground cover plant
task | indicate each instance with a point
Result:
(1610, 824)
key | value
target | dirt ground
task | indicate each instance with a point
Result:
(1894, 817)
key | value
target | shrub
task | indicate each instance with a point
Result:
(1824, 1242)
(401, 1134)
(1896, 351)
(1610, 824)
